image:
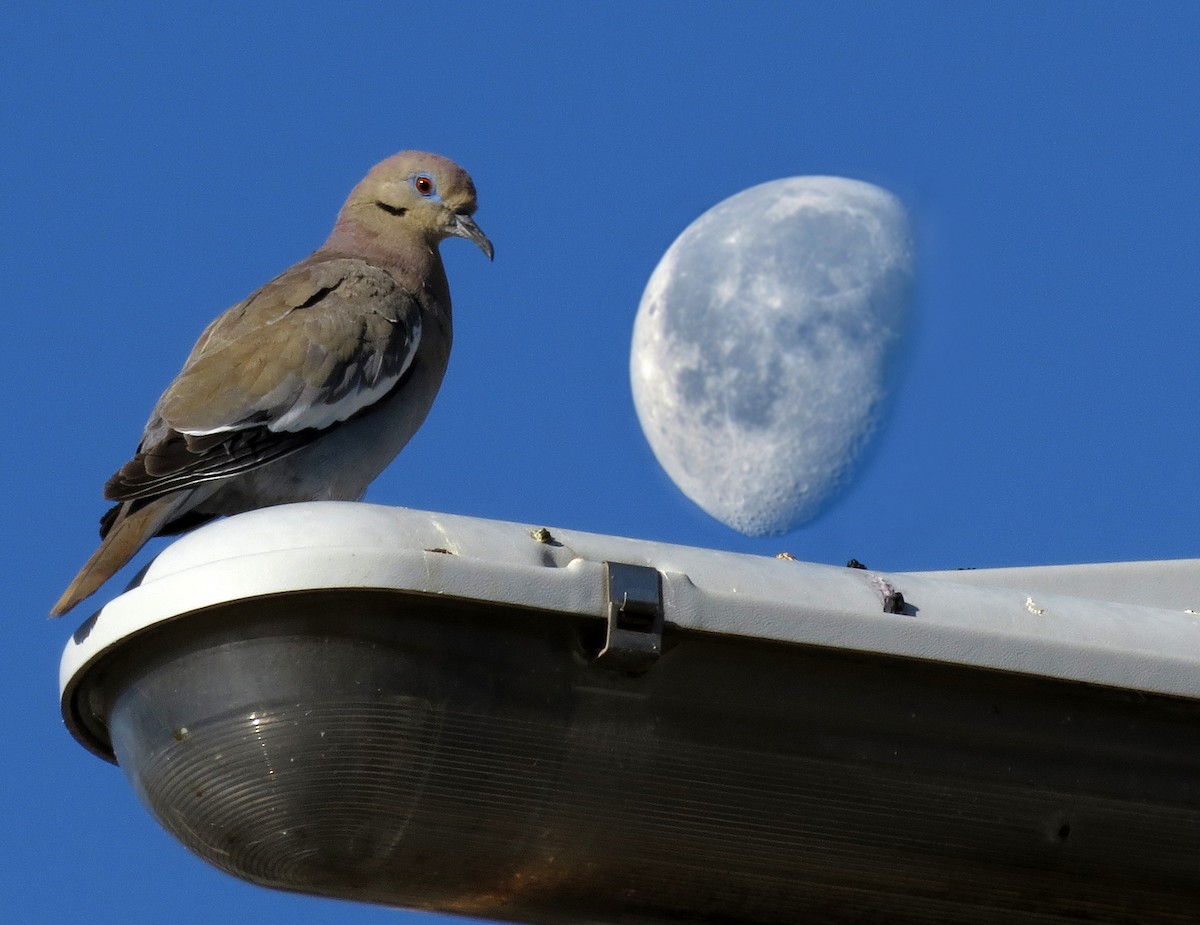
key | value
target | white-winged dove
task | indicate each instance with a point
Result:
(311, 386)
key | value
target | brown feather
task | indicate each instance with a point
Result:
(129, 531)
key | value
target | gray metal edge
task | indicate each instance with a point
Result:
(987, 619)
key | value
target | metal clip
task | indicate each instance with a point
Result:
(635, 618)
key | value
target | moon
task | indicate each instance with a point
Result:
(764, 344)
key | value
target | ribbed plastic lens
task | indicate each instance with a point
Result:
(411, 753)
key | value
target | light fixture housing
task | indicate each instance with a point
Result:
(544, 725)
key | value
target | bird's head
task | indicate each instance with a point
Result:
(414, 195)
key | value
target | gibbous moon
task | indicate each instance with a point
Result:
(763, 343)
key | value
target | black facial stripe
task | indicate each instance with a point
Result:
(394, 210)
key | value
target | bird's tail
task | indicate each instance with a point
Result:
(131, 529)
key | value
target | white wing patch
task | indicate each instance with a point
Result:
(310, 409)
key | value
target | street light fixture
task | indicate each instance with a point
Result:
(543, 725)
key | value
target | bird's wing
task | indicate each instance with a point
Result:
(320, 343)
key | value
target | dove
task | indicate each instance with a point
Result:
(308, 388)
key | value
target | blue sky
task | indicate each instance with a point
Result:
(159, 164)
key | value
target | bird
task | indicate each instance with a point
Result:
(308, 388)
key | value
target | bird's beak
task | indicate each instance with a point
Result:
(464, 227)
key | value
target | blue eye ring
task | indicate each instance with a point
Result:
(424, 185)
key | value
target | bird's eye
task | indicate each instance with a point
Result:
(424, 185)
